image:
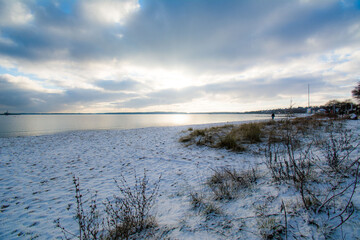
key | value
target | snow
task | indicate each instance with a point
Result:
(36, 182)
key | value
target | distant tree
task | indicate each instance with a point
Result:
(338, 103)
(356, 92)
(332, 103)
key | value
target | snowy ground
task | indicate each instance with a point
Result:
(36, 187)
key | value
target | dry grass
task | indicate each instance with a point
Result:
(232, 137)
(199, 202)
(225, 183)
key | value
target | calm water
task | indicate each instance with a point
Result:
(25, 125)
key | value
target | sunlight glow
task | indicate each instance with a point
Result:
(180, 119)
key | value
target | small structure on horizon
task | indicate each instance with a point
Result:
(309, 110)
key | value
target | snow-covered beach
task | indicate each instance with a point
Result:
(36, 181)
(36, 173)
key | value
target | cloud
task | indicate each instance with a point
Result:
(164, 97)
(210, 34)
(113, 85)
(253, 91)
(52, 31)
(203, 34)
(160, 53)
(21, 94)
(108, 11)
(13, 13)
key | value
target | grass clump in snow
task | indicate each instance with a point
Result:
(225, 183)
(126, 214)
(199, 202)
(251, 132)
(231, 142)
(231, 137)
(270, 228)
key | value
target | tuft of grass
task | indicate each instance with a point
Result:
(231, 142)
(225, 183)
(198, 202)
(271, 228)
(228, 136)
(194, 134)
(251, 132)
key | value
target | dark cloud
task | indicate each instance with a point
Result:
(214, 34)
(11, 96)
(14, 97)
(201, 33)
(52, 31)
(256, 90)
(113, 85)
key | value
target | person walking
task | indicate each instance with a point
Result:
(273, 116)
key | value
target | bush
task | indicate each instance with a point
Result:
(125, 214)
(129, 213)
(89, 221)
(338, 147)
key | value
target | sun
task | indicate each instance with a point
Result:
(180, 119)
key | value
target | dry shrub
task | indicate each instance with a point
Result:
(126, 214)
(129, 213)
(338, 147)
(88, 218)
(288, 165)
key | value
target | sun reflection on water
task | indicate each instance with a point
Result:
(180, 119)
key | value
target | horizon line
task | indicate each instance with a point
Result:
(153, 112)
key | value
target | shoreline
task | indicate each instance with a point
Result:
(49, 133)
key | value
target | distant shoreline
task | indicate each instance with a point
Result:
(127, 113)
(276, 111)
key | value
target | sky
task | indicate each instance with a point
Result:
(176, 55)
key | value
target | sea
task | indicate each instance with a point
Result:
(40, 124)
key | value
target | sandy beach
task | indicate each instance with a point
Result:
(36, 181)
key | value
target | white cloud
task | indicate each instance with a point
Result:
(109, 11)
(13, 13)
(27, 84)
